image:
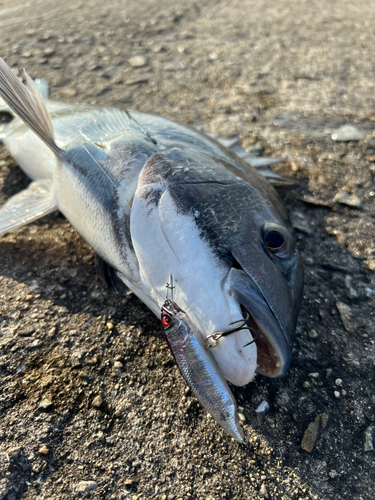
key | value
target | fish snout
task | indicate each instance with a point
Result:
(274, 352)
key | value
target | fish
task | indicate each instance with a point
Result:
(199, 369)
(154, 198)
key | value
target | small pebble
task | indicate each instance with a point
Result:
(110, 326)
(85, 486)
(351, 291)
(337, 394)
(97, 402)
(351, 200)
(118, 364)
(28, 297)
(349, 319)
(51, 331)
(48, 51)
(263, 491)
(137, 62)
(262, 407)
(14, 453)
(347, 133)
(34, 344)
(369, 444)
(312, 333)
(93, 360)
(241, 418)
(306, 385)
(45, 405)
(338, 382)
(68, 93)
(43, 450)
(311, 433)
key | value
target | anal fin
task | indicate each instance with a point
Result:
(26, 206)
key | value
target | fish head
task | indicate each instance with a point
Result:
(267, 280)
(230, 249)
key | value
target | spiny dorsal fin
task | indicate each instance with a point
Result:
(28, 105)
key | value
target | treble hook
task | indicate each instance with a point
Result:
(217, 335)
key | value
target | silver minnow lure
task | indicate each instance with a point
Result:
(199, 369)
(153, 199)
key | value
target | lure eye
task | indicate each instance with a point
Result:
(278, 240)
(166, 320)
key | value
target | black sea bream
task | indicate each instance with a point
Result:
(155, 199)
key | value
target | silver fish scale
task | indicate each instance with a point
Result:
(206, 382)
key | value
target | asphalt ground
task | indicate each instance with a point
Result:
(74, 422)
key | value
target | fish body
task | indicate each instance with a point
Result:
(199, 369)
(154, 198)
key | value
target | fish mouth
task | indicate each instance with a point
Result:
(269, 360)
(274, 353)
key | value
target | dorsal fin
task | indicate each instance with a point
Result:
(28, 105)
(110, 123)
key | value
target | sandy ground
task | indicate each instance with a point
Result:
(281, 74)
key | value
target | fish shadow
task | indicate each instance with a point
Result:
(60, 267)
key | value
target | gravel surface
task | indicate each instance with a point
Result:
(91, 403)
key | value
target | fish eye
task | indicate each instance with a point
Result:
(166, 320)
(278, 240)
(274, 240)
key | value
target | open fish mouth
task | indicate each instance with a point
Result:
(273, 350)
(269, 362)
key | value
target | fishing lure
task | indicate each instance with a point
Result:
(199, 369)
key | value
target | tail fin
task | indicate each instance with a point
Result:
(28, 105)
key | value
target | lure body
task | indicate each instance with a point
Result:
(199, 369)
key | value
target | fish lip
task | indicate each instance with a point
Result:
(273, 350)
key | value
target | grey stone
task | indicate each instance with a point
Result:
(14, 452)
(351, 291)
(351, 200)
(369, 443)
(85, 486)
(347, 133)
(350, 321)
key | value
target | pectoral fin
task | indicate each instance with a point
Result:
(28, 205)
